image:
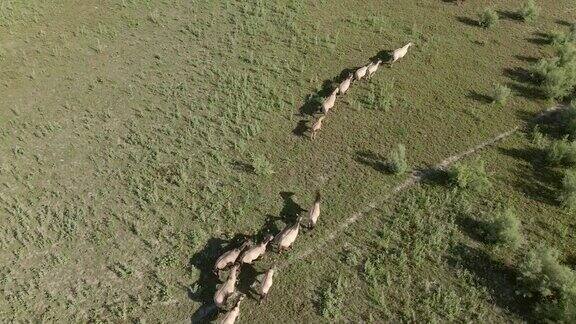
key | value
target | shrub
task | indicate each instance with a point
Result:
(332, 298)
(551, 283)
(488, 18)
(529, 11)
(470, 176)
(397, 160)
(570, 120)
(505, 229)
(262, 166)
(500, 94)
(568, 194)
(557, 76)
(538, 139)
(561, 152)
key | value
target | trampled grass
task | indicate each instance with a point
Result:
(130, 130)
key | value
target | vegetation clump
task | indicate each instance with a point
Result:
(397, 160)
(470, 176)
(262, 166)
(561, 152)
(552, 284)
(557, 76)
(332, 298)
(570, 120)
(505, 229)
(568, 195)
(500, 94)
(529, 11)
(488, 18)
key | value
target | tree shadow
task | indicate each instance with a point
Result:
(551, 124)
(475, 229)
(530, 92)
(536, 180)
(529, 59)
(468, 21)
(291, 209)
(509, 14)
(242, 166)
(372, 160)
(539, 38)
(563, 23)
(435, 177)
(519, 74)
(480, 97)
(499, 279)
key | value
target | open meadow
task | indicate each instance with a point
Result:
(140, 139)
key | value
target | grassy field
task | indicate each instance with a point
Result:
(140, 137)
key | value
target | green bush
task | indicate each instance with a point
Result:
(505, 229)
(488, 18)
(557, 76)
(397, 160)
(470, 176)
(529, 11)
(539, 140)
(561, 152)
(570, 120)
(262, 166)
(568, 195)
(552, 284)
(332, 298)
(500, 94)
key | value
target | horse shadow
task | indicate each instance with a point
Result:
(290, 209)
(313, 101)
(205, 287)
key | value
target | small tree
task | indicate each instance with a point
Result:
(561, 152)
(262, 166)
(568, 195)
(470, 176)
(570, 120)
(551, 283)
(488, 18)
(505, 229)
(500, 94)
(557, 76)
(397, 160)
(529, 11)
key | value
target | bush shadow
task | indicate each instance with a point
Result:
(527, 91)
(509, 14)
(499, 279)
(519, 74)
(373, 160)
(529, 59)
(468, 21)
(480, 97)
(536, 180)
(539, 38)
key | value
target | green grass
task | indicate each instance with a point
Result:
(129, 131)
